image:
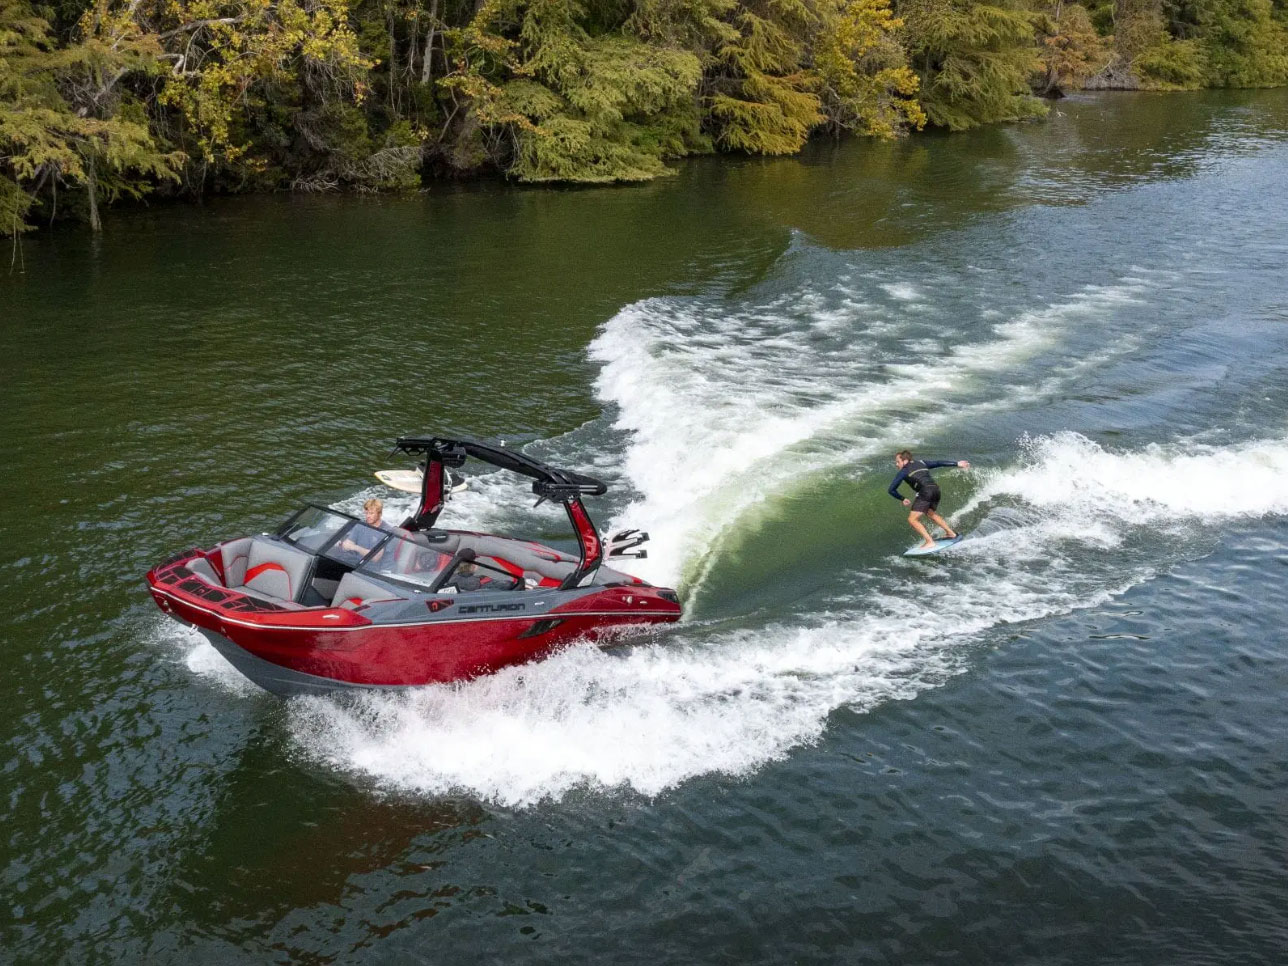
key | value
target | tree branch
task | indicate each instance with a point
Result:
(198, 24)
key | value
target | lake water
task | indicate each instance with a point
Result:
(1066, 742)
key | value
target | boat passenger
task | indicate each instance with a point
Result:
(466, 577)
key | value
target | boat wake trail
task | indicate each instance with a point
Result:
(716, 410)
(1068, 488)
(1062, 529)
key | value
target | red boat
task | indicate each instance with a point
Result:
(330, 603)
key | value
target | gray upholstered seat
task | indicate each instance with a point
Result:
(356, 590)
(275, 569)
(235, 554)
(202, 569)
(534, 560)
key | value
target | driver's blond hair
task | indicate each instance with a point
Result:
(373, 504)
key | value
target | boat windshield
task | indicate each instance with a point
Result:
(335, 536)
(411, 558)
(312, 527)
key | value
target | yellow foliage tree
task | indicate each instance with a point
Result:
(864, 81)
(64, 116)
(1070, 49)
(224, 52)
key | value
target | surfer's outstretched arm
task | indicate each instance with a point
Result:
(938, 464)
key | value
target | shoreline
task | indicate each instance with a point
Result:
(486, 180)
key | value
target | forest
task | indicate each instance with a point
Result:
(121, 98)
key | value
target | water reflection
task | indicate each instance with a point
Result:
(280, 838)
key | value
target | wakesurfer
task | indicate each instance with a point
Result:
(916, 473)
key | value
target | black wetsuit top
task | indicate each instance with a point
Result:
(916, 473)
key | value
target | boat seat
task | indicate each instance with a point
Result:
(235, 554)
(202, 569)
(607, 575)
(276, 570)
(355, 590)
(284, 604)
(444, 541)
(521, 558)
(415, 554)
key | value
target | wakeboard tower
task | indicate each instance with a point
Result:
(328, 603)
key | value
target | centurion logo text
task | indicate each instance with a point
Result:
(492, 608)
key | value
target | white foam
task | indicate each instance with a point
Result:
(198, 655)
(1071, 476)
(648, 719)
(902, 291)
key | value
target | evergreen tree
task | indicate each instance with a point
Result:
(974, 59)
(64, 119)
(570, 105)
(1245, 45)
(762, 99)
(1070, 48)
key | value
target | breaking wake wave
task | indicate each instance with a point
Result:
(722, 411)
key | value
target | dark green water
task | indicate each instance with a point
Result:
(1063, 744)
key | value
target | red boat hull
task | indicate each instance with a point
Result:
(327, 649)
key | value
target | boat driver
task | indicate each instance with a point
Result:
(361, 540)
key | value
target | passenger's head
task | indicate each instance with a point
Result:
(373, 509)
(903, 458)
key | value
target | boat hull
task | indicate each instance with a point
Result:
(278, 678)
(313, 651)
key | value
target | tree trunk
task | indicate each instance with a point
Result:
(91, 189)
(427, 61)
(393, 64)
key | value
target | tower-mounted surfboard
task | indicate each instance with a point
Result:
(411, 481)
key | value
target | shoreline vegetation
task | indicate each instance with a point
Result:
(108, 99)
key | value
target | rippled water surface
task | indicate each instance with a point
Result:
(1062, 743)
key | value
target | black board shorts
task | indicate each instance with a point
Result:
(927, 498)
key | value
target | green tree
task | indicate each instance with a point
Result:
(762, 98)
(65, 118)
(1246, 46)
(548, 100)
(254, 83)
(974, 59)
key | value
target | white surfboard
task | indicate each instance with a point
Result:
(409, 481)
(920, 551)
